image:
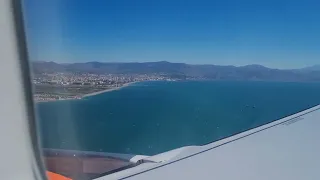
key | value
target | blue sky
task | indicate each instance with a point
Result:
(274, 33)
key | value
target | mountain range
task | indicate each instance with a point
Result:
(312, 68)
(182, 70)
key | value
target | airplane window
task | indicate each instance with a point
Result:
(119, 81)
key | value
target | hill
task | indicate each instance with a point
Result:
(312, 68)
(213, 72)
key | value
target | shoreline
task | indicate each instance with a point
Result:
(90, 94)
(108, 90)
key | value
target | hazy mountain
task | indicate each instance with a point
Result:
(214, 72)
(312, 68)
(42, 66)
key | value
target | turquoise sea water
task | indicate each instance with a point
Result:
(153, 117)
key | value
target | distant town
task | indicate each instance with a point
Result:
(64, 86)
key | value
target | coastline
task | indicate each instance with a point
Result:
(108, 90)
(90, 94)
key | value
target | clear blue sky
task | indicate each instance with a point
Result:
(274, 33)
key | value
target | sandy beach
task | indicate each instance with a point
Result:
(90, 94)
(109, 90)
(50, 100)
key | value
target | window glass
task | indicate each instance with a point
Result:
(118, 78)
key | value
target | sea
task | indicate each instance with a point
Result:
(148, 118)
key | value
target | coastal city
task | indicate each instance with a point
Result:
(63, 86)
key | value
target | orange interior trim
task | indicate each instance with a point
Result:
(54, 176)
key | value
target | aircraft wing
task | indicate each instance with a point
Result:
(284, 149)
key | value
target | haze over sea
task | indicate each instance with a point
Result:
(153, 117)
